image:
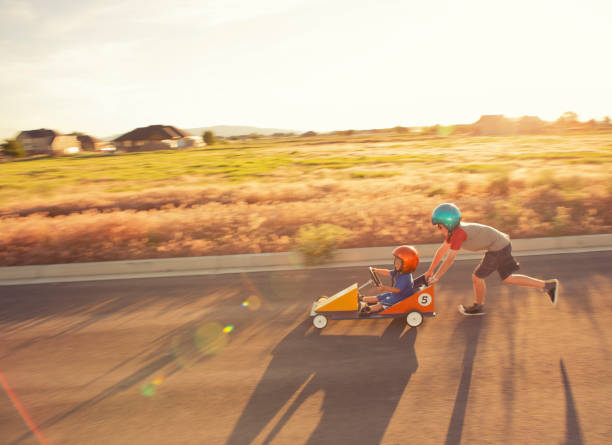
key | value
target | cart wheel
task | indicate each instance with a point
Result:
(414, 319)
(319, 321)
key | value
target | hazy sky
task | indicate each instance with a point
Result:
(107, 66)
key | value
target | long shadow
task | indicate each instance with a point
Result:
(470, 330)
(160, 358)
(573, 432)
(102, 311)
(362, 379)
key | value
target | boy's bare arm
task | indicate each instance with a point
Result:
(445, 265)
(437, 258)
(384, 272)
(384, 288)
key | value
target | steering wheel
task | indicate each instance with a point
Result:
(375, 278)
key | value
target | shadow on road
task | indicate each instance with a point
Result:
(165, 356)
(362, 379)
(573, 433)
(469, 329)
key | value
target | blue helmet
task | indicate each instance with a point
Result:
(446, 214)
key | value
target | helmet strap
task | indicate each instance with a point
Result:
(450, 232)
(448, 237)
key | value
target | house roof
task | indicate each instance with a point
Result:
(153, 132)
(530, 119)
(40, 133)
(87, 138)
(491, 118)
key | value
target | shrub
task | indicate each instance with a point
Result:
(318, 243)
(209, 137)
(560, 221)
(499, 184)
(436, 191)
(461, 187)
(505, 215)
(13, 148)
(445, 131)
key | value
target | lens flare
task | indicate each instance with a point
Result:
(148, 390)
(193, 345)
(229, 328)
(253, 303)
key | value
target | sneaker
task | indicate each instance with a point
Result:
(365, 311)
(475, 309)
(551, 287)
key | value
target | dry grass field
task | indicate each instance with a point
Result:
(277, 194)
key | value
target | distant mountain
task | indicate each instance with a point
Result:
(224, 131)
(236, 130)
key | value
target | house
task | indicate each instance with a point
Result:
(498, 124)
(154, 137)
(43, 141)
(89, 143)
(493, 124)
(530, 125)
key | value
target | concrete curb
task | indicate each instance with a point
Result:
(208, 265)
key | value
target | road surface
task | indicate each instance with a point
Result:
(234, 359)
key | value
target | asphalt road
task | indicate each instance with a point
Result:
(186, 361)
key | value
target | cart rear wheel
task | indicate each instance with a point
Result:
(319, 321)
(414, 319)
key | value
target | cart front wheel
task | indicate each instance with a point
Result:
(319, 321)
(414, 319)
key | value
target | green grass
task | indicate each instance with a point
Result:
(479, 168)
(287, 158)
(587, 157)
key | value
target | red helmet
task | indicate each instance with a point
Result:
(409, 257)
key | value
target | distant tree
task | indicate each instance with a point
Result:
(309, 134)
(606, 120)
(209, 137)
(431, 130)
(445, 130)
(13, 148)
(530, 125)
(568, 118)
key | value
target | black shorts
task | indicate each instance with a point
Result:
(501, 261)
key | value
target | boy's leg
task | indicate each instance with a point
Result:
(376, 308)
(524, 280)
(551, 287)
(370, 309)
(370, 300)
(480, 289)
(487, 266)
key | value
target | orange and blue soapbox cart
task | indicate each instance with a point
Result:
(345, 305)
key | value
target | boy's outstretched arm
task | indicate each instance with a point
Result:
(445, 266)
(437, 258)
(384, 272)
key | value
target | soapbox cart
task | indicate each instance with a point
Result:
(345, 305)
